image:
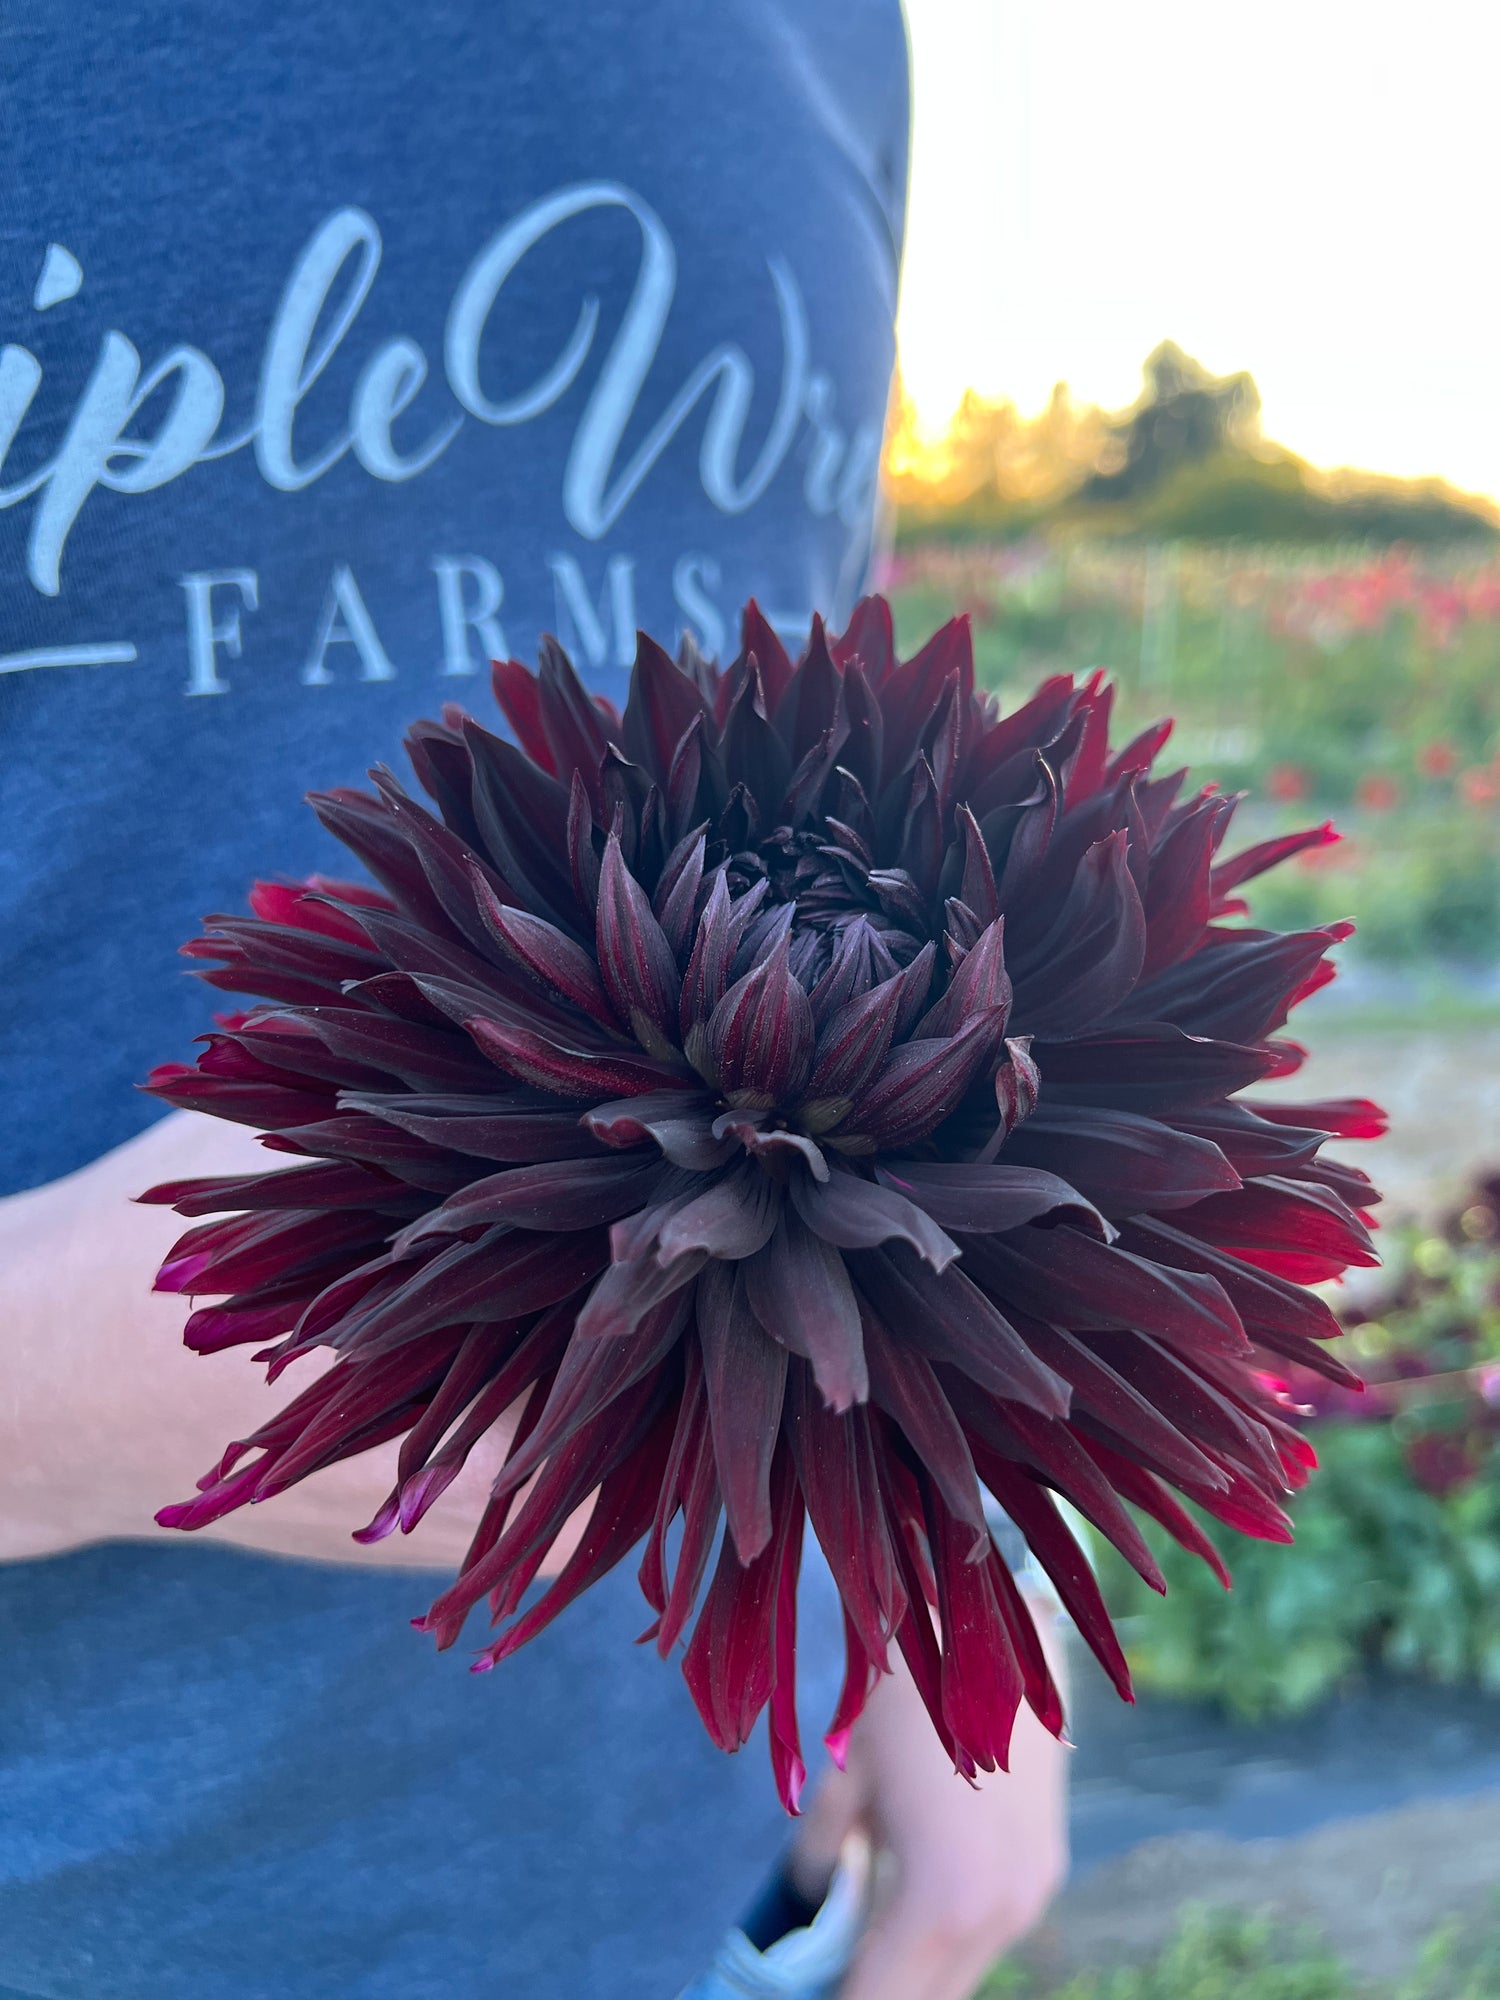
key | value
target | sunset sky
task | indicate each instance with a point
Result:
(1305, 189)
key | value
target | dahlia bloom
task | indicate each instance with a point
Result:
(817, 1093)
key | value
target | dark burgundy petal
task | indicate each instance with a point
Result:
(1266, 854)
(1003, 1435)
(676, 899)
(583, 855)
(800, 1293)
(918, 1641)
(364, 825)
(685, 1488)
(905, 1387)
(682, 1128)
(621, 1515)
(980, 986)
(1295, 1231)
(569, 1072)
(513, 1126)
(744, 1372)
(229, 1256)
(920, 1084)
(521, 813)
(838, 1470)
(707, 975)
(855, 1214)
(234, 1324)
(979, 1676)
(732, 1217)
(989, 1198)
(760, 1036)
(1177, 899)
(1043, 1696)
(1102, 1397)
(1242, 988)
(806, 711)
(663, 705)
(1121, 1161)
(730, 1665)
(563, 967)
(519, 696)
(593, 1375)
(853, 1045)
(272, 1106)
(325, 1186)
(768, 1142)
(629, 1289)
(505, 1272)
(1266, 1303)
(1139, 754)
(786, 1743)
(1154, 1068)
(1088, 961)
(755, 757)
(1144, 1490)
(859, 1678)
(1018, 1088)
(758, 641)
(572, 724)
(1061, 1274)
(1252, 1144)
(952, 1320)
(915, 982)
(1346, 1117)
(1196, 1406)
(635, 958)
(559, 1194)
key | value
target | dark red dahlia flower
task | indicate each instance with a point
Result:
(819, 1091)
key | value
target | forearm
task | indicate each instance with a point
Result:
(106, 1416)
(964, 1871)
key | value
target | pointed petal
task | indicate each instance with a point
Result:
(800, 1293)
(744, 1372)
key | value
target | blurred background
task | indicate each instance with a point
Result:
(1198, 385)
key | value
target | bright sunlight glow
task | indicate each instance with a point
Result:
(1302, 189)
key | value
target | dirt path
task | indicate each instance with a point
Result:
(1441, 1087)
(1376, 1888)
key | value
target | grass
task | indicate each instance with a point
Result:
(1232, 1955)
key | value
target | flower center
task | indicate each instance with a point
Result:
(829, 873)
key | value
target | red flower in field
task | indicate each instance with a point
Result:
(1480, 787)
(1287, 783)
(1444, 1461)
(818, 1091)
(1377, 791)
(1437, 760)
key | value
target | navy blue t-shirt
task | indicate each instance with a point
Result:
(342, 347)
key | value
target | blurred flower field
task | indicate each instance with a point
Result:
(1348, 682)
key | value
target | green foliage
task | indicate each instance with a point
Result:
(1420, 888)
(1231, 496)
(1231, 1955)
(1215, 1955)
(1397, 1556)
(1381, 1571)
(1186, 461)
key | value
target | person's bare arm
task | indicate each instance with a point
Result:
(966, 1872)
(105, 1416)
